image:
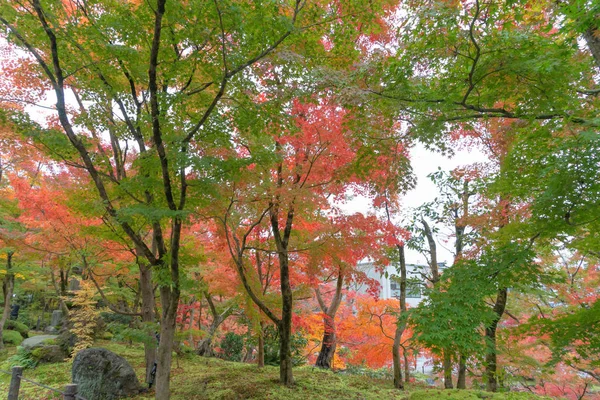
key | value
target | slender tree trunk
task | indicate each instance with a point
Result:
(61, 302)
(285, 354)
(401, 326)
(491, 364)
(593, 42)
(261, 346)
(170, 300)
(448, 371)
(398, 383)
(285, 327)
(406, 367)
(147, 291)
(328, 344)
(7, 288)
(287, 298)
(205, 347)
(461, 382)
(190, 327)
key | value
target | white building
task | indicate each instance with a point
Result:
(388, 278)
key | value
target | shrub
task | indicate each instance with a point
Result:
(297, 343)
(22, 358)
(232, 346)
(84, 317)
(111, 317)
(12, 337)
(20, 327)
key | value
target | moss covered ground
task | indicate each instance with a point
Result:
(195, 377)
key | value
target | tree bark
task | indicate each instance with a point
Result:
(287, 298)
(191, 327)
(401, 326)
(328, 343)
(261, 347)
(285, 353)
(147, 291)
(448, 371)
(592, 39)
(491, 362)
(406, 367)
(285, 326)
(7, 289)
(461, 382)
(170, 300)
(205, 348)
(433, 264)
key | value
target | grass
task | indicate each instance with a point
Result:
(195, 377)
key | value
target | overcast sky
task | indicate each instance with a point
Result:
(424, 162)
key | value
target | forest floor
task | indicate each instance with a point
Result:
(195, 377)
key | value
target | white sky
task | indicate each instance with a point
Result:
(424, 162)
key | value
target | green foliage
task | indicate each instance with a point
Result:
(145, 333)
(298, 343)
(12, 337)
(23, 357)
(232, 346)
(450, 320)
(111, 317)
(577, 331)
(17, 326)
(381, 373)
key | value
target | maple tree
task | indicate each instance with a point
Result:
(288, 192)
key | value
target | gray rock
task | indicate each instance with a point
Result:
(103, 375)
(56, 318)
(50, 330)
(37, 341)
(48, 354)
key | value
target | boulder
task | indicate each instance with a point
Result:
(38, 341)
(48, 354)
(103, 375)
(44, 349)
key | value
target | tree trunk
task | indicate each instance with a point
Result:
(285, 354)
(461, 383)
(61, 302)
(406, 367)
(593, 42)
(261, 346)
(490, 335)
(205, 347)
(148, 317)
(287, 298)
(7, 289)
(285, 327)
(170, 300)
(448, 371)
(328, 344)
(398, 382)
(190, 327)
